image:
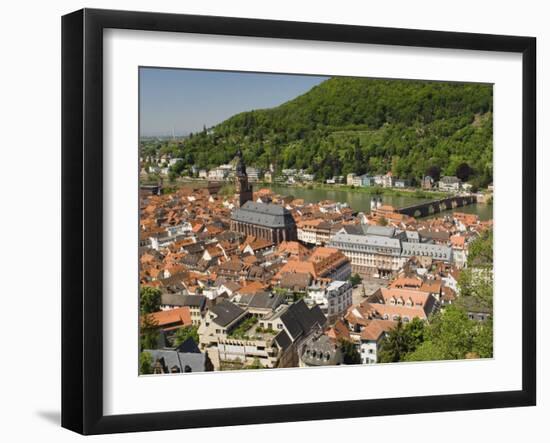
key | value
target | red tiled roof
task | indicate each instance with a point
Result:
(171, 317)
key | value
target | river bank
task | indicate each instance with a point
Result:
(369, 190)
(361, 201)
(358, 199)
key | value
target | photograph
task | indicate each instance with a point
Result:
(273, 221)
(298, 221)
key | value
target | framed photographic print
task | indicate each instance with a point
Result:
(293, 221)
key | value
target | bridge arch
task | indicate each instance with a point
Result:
(436, 206)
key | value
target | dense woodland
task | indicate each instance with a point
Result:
(358, 125)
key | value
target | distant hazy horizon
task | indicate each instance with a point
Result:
(182, 101)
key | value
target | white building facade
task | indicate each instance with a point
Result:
(334, 298)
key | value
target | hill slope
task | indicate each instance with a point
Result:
(361, 125)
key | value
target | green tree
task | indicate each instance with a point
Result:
(464, 171)
(145, 363)
(182, 334)
(355, 279)
(226, 190)
(172, 176)
(241, 330)
(350, 353)
(452, 331)
(475, 287)
(401, 340)
(427, 351)
(434, 172)
(149, 299)
(480, 251)
(483, 339)
(450, 336)
(475, 283)
(256, 364)
(149, 333)
(383, 221)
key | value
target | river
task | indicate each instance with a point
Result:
(360, 201)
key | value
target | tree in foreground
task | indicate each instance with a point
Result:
(480, 251)
(452, 335)
(145, 363)
(256, 364)
(475, 283)
(476, 290)
(182, 334)
(401, 340)
(483, 339)
(149, 333)
(350, 353)
(149, 300)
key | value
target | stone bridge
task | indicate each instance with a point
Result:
(152, 189)
(433, 207)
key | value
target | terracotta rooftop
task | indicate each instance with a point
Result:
(173, 317)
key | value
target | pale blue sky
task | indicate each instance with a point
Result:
(185, 100)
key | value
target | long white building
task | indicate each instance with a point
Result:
(381, 251)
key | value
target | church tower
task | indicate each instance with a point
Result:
(242, 187)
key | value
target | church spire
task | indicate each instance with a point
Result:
(243, 188)
(240, 168)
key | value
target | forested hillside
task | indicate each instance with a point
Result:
(360, 125)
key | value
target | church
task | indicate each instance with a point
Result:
(262, 220)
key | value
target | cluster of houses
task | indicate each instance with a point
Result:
(160, 164)
(264, 280)
(444, 184)
(226, 172)
(385, 181)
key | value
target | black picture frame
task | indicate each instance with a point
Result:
(82, 190)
